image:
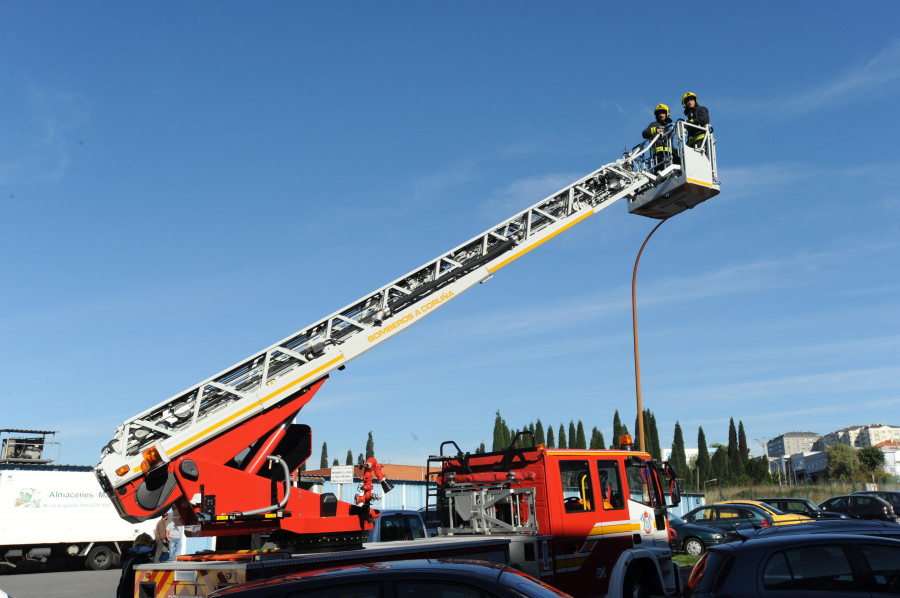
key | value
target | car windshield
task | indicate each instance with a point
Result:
(673, 518)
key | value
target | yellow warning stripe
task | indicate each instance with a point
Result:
(696, 182)
(519, 254)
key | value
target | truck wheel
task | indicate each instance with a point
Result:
(693, 547)
(100, 558)
(634, 587)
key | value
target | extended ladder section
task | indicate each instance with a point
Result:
(276, 376)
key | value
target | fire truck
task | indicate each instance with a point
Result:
(222, 453)
(601, 514)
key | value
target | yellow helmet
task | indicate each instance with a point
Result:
(661, 108)
(688, 96)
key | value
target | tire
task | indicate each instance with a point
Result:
(693, 547)
(100, 558)
(634, 586)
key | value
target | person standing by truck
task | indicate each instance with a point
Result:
(139, 554)
(162, 541)
(173, 536)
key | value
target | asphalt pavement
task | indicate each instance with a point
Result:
(62, 584)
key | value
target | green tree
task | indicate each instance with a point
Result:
(323, 462)
(653, 445)
(617, 429)
(871, 459)
(736, 473)
(562, 437)
(758, 470)
(742, 442)
(679, 458)
(335, 462)
(572, 434)
(360, 461)
(580, 440)
(370, 447)
(501, 434)
(841, 462)
(539, 437)
(551, 442)
(720, 466)
(349, 459)
(597, 441)
(480, 450)
(704, 468)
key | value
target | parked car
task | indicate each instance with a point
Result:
(395, 524)
(891, 496)
(778, 517)
(693, 539)
(728, 517)
(860, 527)
(860, 506)
(789, 564)
(399, 578)
(801, 506)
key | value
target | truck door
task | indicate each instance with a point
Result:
(646, 505)
(574, 539)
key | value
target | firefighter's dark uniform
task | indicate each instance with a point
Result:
(698, 115)
(662, 149)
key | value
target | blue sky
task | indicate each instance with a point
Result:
(184, 184)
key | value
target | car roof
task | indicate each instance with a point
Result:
(853, 495)
(825, 526)
(754, 503)
(433, 568)
(783, 498)
(764, 542)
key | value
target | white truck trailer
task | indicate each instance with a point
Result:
(52, 513)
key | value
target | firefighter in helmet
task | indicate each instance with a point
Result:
(696, 115)
(662, 149)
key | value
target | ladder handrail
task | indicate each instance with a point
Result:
(276, 373)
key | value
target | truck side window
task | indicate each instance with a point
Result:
(577, 491)
(638, 488)
(610, 484)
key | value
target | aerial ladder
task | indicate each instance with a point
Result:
(223, 452)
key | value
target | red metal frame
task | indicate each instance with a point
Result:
(208, 475)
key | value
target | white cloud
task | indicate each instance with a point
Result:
(871, 80)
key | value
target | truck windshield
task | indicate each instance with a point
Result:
(638, 487)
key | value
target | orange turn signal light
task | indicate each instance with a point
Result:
(122, 470)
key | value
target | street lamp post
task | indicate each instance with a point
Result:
(637, 360)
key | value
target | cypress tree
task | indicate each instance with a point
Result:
(597, 441)
(335, 462)
(679, 458)
(501, 434)
(562, 437)
(742, 442)
(703, 462)
(323, 462)
(551, 443)
(370, 447)
(655, 449)
(349, 460)
(539, 433)
(572, 434)
(581, 441)
(617, 430)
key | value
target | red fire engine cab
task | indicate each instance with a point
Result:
(604, 512)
